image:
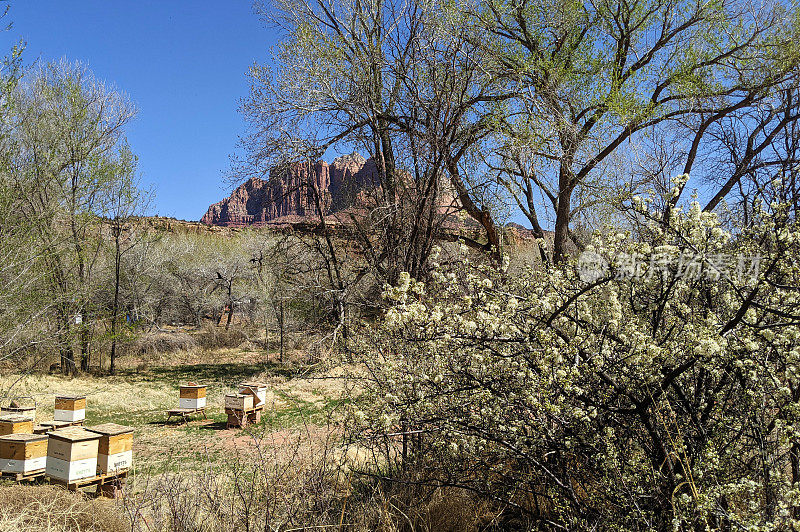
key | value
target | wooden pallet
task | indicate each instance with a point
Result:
(41, 429)
(97, 480)
(184, 413)
(23, 477)
(241, 418)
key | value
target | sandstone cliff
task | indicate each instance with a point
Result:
(288, 197)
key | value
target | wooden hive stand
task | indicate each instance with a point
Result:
(241, 410)
(108, 485)
(192, 401)
(23, 456)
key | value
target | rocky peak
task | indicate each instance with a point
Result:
(287, 197)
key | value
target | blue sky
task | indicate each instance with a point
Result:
(182, 63)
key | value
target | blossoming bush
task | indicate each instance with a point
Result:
(668, 399)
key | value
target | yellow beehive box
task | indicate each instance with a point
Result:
(115, 450)
(70, 408)
(238, 401)
(257, 389)
(15, 424)
(23, 453)
(192, 396)
(72, 454)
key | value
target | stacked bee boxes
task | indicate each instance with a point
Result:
(23, 453)
(115, 450)
(238, 406)
(72, 454)
(193, 396)
(70, 408)
(15, 424)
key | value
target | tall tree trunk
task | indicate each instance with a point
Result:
(280, 324)
(112, 366)
(566, 184)
(85, 352)
(64, 348)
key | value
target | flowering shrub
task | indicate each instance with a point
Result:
(658, 401)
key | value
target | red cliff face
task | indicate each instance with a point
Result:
(291, 196)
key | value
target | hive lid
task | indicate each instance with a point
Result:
(23, 437)
(10, 408)
(237, 395)
(193, 385)
(14, 418)
(110, 429)
(253, 384)
(74, 434)
(70, 397)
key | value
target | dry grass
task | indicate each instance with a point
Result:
(290, 471)
(48, 508)
(140, 394)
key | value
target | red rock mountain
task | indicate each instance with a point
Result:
(288, 198)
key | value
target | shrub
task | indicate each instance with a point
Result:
(656, 400)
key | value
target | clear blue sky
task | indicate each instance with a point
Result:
(182, 63)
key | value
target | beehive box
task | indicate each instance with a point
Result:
(238, 401)
(28, 412)
(115, 450)
(23, 453)
(258, 390)
(15, 424)
(192, 396)
(72, 454)
(70, 408)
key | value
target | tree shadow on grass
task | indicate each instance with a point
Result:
(230, 374)
(192, 425)
(214, 425)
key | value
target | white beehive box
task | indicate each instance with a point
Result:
(238, 401)
(23, 453)
(72, 454)
(115, 450)
(28, 412)
(257, 389)
(192, 396)
(70, 408)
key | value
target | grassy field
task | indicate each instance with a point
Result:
(291, 471)
(300, 402)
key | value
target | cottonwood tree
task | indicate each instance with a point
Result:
(23, 302)
(125, 201)
(65, 148)
(595, 79)
(269, 261)
(377, 86)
